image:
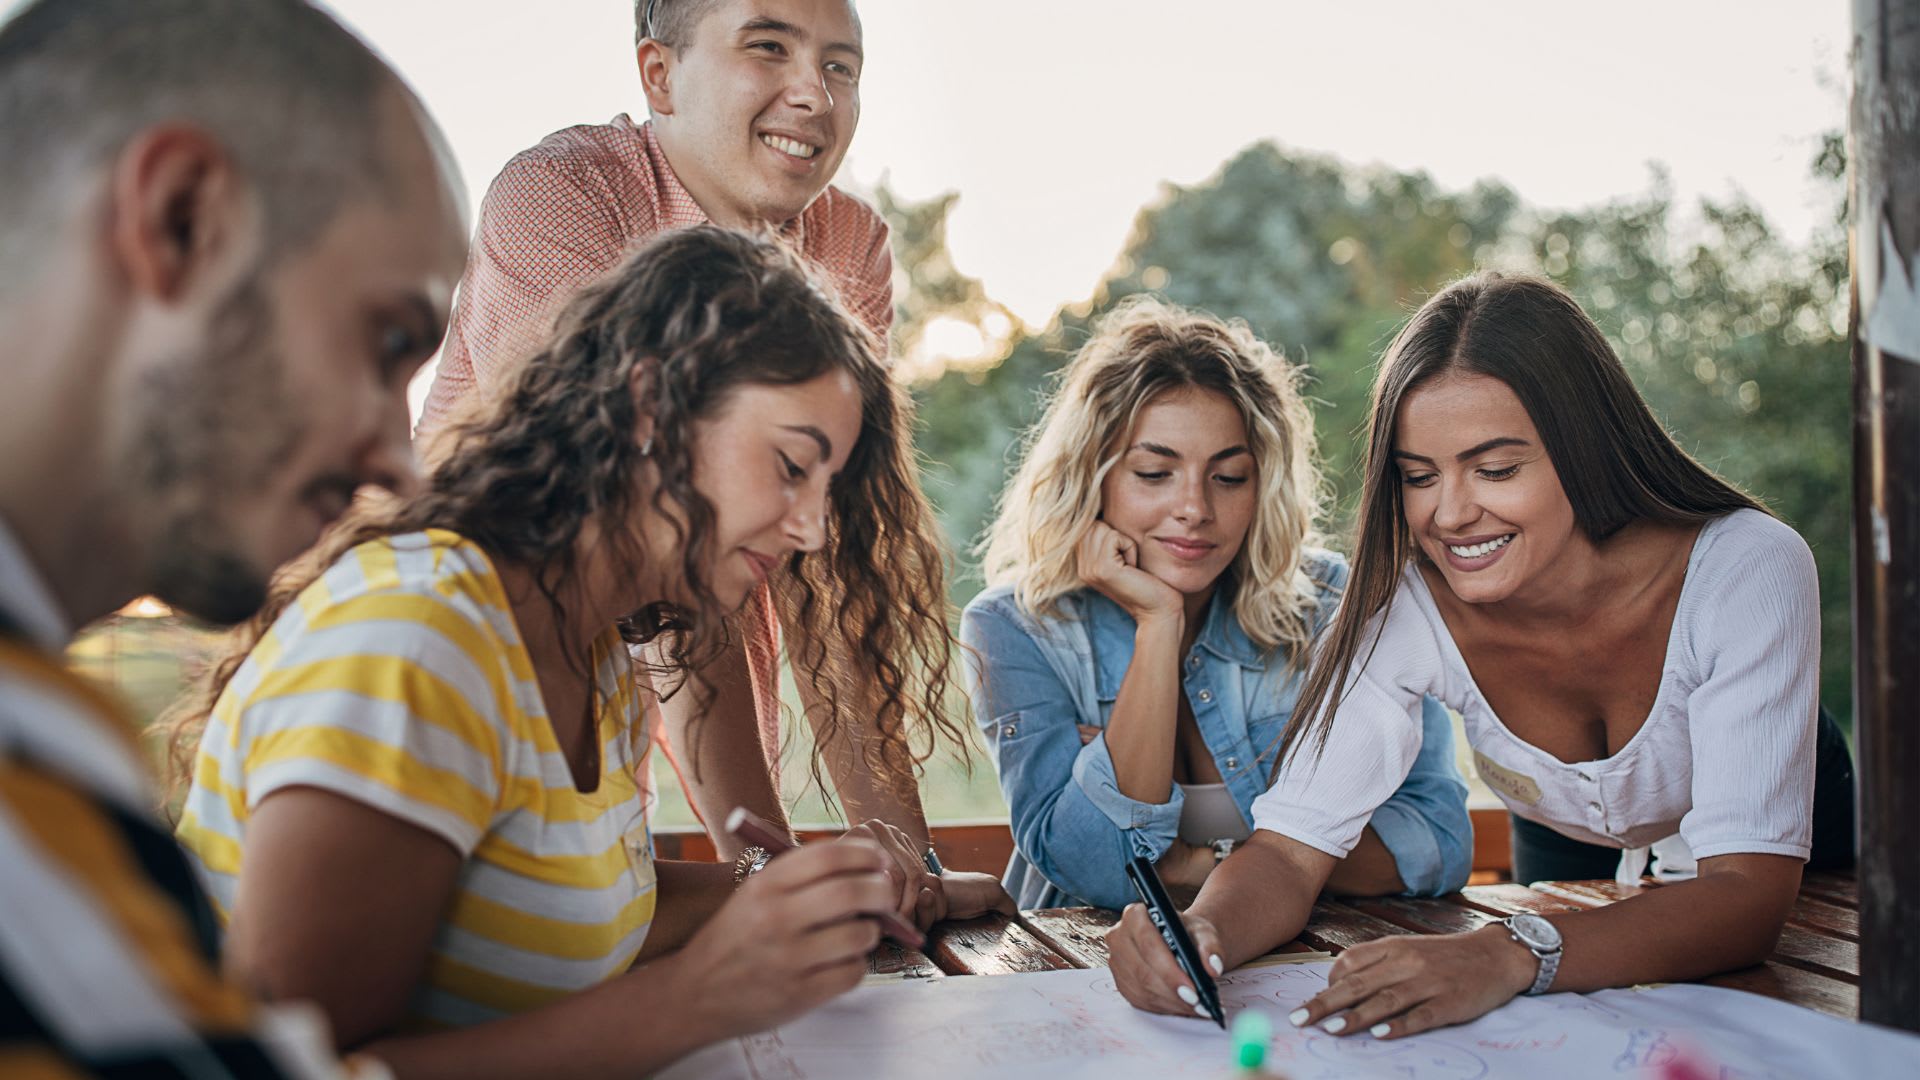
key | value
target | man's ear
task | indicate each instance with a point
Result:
(656, 75)
(180, 212)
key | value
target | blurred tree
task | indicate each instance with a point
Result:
(1735, 336)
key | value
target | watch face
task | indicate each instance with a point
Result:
(1535, 933)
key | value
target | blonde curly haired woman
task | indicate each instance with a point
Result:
(1153, 593)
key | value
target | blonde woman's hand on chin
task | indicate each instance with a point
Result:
(1109, 562)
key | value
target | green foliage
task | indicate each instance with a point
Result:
(1736, 337)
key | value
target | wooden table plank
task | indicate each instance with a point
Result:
(1830, 918)
(1421, 916)
(1509, 899)
(1816, 966)
(1821, 953)
(895, 959)
(1795, 986)
(1592, 893)
(1078, 934)
(1334, 927)
(1835, 888)
(991, 945)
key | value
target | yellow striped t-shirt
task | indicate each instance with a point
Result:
(399, 679)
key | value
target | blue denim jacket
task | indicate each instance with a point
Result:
(1032, 680)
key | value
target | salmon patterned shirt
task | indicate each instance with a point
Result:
(568, 210)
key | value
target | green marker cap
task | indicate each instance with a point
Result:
(1251, 1032)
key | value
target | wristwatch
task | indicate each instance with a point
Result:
(752, 859)
(1542, 939)
(1221, 849)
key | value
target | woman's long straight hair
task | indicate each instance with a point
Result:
(1615, 461)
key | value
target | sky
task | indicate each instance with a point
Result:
(1057, 120)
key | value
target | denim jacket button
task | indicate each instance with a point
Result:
(1206, 695)
(1194, 661)
(1233, 763)
(1007, 732)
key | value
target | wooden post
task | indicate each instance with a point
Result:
(1884, 156)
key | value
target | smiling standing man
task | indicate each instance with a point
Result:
(228, 238)
(752, 106)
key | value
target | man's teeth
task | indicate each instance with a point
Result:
(1478, 550)
(789, 146)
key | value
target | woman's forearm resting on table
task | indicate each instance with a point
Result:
(1261, 896)
(1729, 917)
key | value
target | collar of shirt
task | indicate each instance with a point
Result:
(1111, 629)
(26, 598)
(678, 208)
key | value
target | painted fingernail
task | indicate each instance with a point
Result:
(1201, 1012)
(1187, 995)
(1213, 961)
(1297, 1017)
(1379, 1031)
(1335, 1026)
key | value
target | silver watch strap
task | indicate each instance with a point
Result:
(1549, 967)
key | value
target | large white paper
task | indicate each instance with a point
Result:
(1062, 1025)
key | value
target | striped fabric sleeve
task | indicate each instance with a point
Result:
(103, 965)
(396, 700)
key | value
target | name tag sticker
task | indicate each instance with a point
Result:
(1516, 786)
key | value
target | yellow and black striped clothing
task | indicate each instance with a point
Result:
(399, 679)
(107, 962)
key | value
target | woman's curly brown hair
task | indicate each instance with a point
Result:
(689, 317)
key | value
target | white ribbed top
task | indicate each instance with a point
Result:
(1725, 758)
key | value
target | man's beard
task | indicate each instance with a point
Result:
(216, 432)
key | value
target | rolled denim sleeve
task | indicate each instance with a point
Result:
(1068, 816)
(1425, 825)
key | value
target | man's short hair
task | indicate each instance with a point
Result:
(669, 22)
(289, 92)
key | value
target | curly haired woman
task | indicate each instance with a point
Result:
(414, 799)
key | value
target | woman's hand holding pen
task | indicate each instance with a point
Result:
(1109, 562)
(790, 938)
(1145, 970)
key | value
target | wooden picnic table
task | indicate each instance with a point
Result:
(1816, 964)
